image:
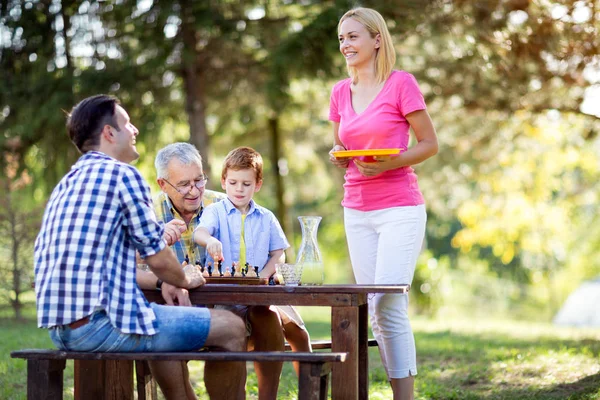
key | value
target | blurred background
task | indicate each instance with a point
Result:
(513, 87)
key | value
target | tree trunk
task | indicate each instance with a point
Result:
(282, 209)
(15, 243)
(194, 87)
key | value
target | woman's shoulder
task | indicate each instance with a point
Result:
(399, 76)
(342, 84)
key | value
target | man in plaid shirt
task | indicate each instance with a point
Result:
(86, 281)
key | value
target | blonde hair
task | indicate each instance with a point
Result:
(243, 158)
(375, 24)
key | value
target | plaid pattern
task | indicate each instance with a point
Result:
(98, 215)
(185, 246)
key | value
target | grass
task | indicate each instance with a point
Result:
(456, 360)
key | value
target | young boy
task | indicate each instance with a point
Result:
(238, 229)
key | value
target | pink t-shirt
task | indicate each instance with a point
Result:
(381, 125)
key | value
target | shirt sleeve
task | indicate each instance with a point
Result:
(209, 220)
(140, 221)
(334, 114)
(410, 98)
(277, 237)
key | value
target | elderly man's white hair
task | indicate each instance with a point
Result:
(184, 152)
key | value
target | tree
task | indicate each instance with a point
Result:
(18, 229)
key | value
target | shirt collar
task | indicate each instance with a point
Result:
(92, 157)
(229, 207)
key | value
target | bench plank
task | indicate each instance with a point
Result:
(49, 354)
(326, 344)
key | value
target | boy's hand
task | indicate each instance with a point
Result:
(215, 248)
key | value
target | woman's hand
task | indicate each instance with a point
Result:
(374, 168)
(341, 162)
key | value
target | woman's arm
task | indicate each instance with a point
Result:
(426, 147)
(338, 146)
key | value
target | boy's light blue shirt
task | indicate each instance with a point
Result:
(262, 232)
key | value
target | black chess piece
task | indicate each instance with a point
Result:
(220, 268)
(256, 270)
(271, 281)
(247, 267)
(187, 259)
(232, 270)
(210, 269)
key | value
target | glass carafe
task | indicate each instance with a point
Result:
(309, 255)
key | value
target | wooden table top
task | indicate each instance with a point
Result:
(323, 295)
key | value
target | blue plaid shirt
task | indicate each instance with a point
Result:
(98, 215)
(262, 232)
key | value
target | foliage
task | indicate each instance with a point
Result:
(510, 196)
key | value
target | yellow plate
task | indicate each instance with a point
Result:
(366, 152)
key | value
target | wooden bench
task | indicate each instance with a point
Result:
(45, 368)
(326, 344)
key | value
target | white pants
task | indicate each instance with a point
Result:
(384, 246)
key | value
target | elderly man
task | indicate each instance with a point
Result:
(180, 204)
(86, 282)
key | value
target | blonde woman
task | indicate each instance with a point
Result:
(384, 211)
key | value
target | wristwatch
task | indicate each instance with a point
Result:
(159, 283)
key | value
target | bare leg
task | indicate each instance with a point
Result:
(173, 379)
(226, 380)
(299, 340)
(404, 389)
(267, 335)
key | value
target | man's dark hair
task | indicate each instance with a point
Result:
(88, 117)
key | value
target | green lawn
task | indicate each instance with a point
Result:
(468, 359)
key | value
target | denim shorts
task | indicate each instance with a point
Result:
(179, 329)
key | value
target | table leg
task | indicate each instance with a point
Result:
(363, 352)
(344, 338)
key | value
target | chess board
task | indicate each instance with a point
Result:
(236, 280)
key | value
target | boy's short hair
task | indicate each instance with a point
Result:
(243, 158)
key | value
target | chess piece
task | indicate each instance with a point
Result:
(247, 265)
(210, 270)
(227, 272)
(238, 273)
(256, 271)
(219, 268)
(187, 259)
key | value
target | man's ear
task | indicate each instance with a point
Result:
(258, 186)
(161, 184)
(107, 134)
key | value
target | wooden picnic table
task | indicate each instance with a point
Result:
(349, 320)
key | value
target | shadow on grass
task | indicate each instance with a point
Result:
(497, 366)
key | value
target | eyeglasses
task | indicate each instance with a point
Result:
(185, 189)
